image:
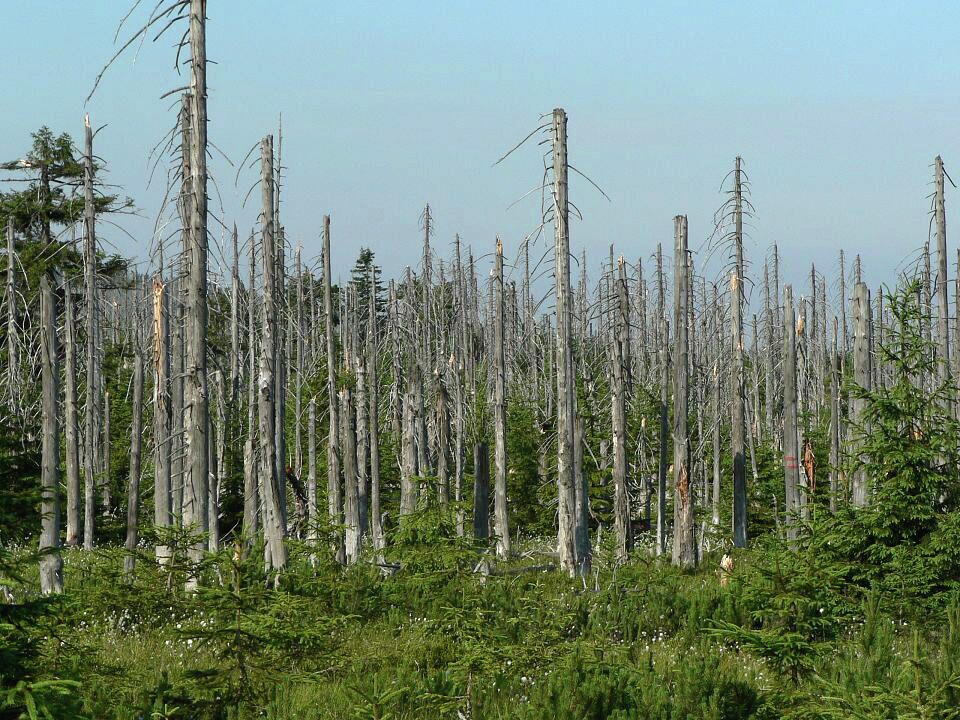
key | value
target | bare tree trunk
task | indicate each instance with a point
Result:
(92, 407)
(251, 484)
(312, 469)
(348, 446)
(133, 486)
(334, 501)
(107, 451)
(737, 431)
(162, 500)
(13, 356)
(943, 319)
(618, 401)
(373, 374)
(791, 439)
(684, 530)
(663, 342)
(834, 419)
(234, 319)
(70, 412)
(51, 564)
(196, 414)
(566, 408)
(861, 376)
(273, 525)
(500, 519)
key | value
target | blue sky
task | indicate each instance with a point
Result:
(837, 108)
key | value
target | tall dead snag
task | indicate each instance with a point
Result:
(500, 520)
(834, 418)
(92, 404)
(663, 330)
(373, 396)
(251, 484)
(737, 431)
(136, 443)
(51, 564)
(618, 407)
(348, 447)
(791, 439)
(162, 500)
(312, 469)
(13, 356)
(270, 485)
(334, 501)
(570, 562)
(196, 399)
(684, 530)
(943, 319)
(70, 417)
(861, 376)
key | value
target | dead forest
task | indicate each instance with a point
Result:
(229, 414)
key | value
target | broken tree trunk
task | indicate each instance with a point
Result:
(501, 525)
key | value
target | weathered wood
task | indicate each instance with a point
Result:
(570, 560)
(834, 389)
(270, 484)
(791, 439)
(663, 344)
(943, 310)
(860, 491)
(251, 477)
(133, 483)
(500, 519)
(196, 397)
(13, 355)
(162, 446)
(620, 388)
(334, 498)
(51, 564)
(70, 419)
(373, 378)
(91, 429)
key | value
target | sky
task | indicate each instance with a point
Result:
(837, 108)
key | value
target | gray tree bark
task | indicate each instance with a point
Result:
(133, 485)
(791, 439)
(51, 564)
(501, 521)
(70, 413)
(684, 530)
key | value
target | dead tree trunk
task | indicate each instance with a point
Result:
(13, 356)
(684, 530)
(943, 319)
(334, 501)
(273, 525)
(737, 431)
(133, 485)
(791, 439)
(373, 378)
(570, 561)
(92, 408)
(251, 484)
(834, 419)
(51, 564)
(618, 400)
(861, 377)
(663, 342)
(162, 505)
(196, 413)
(500, 519)
(70, 413)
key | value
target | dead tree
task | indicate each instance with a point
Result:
(51, 564)
(737, 431)
(373, 378)
(196, 412)
(92, 404)
(943, 319)
(270, 485)
(162, 499)
(684, 529)
(862, 378)
(13, 356)
(133, 485)
(620, 375)
(500, 519)
(834, 419)
(334, 500)
(70, 418)
(791, 439)
(664, 424)
(571, 557)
